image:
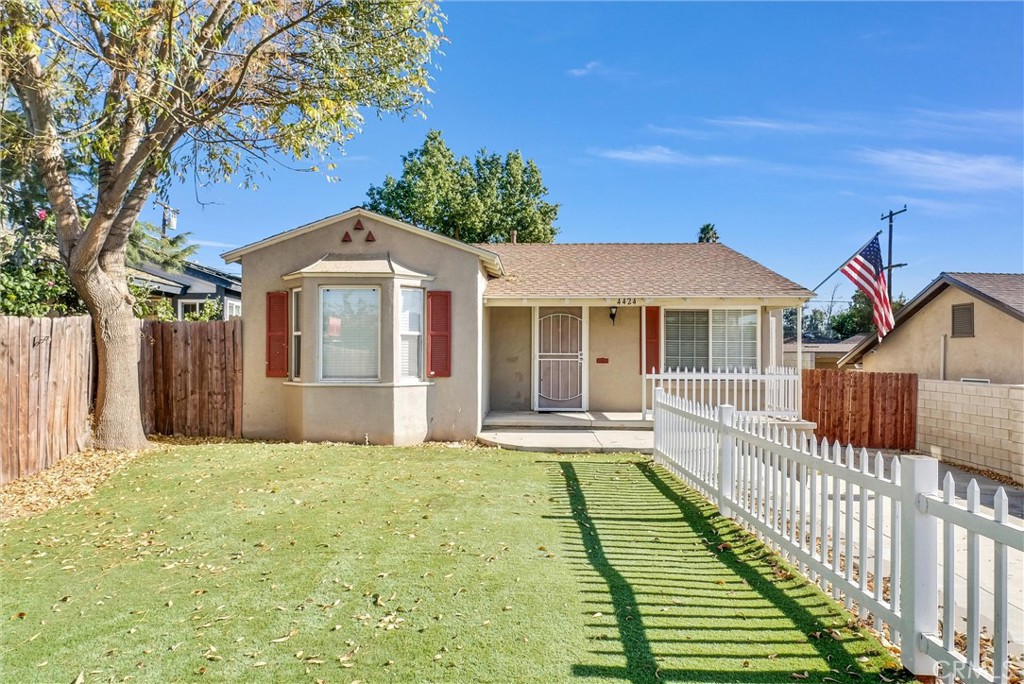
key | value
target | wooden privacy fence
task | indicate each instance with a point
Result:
(45, 387)
(190, 378)
(872, 410)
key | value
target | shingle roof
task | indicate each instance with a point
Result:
(634, 269)
(1004, 288)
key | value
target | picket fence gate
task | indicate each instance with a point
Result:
(826, 509)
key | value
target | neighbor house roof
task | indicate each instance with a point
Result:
(634, 269)
(827, 346)
(193, 279)
(490, 260)
(1004, 291)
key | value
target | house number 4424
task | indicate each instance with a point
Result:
(626, 301)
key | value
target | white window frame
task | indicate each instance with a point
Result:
(229, 304)
(421, 333)
(295, 350)
(320, 335)
(710, 309)
(181, 308)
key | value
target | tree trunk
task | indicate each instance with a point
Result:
(117, 417)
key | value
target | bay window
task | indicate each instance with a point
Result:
(350, 334)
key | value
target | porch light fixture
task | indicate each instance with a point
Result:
(612, 312)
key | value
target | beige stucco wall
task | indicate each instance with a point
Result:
(976, 425)
(441, 409)
(616, 385)
(996, 352)
(510, 358)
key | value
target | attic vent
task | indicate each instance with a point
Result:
(963, 320)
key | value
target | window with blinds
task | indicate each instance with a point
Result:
(733, 339)
(686, 339)
(350, 334)
(963, 320)
(411, 333)
(712, 340)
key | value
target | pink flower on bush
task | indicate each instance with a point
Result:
(41, 214)
(49, 283)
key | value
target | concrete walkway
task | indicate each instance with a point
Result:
(570, 441)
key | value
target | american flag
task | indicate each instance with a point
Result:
(866, 272)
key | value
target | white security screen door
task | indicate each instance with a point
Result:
(560, 359)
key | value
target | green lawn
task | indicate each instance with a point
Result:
(305, 563)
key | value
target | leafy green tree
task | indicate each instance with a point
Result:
(33, 281)
(147, 244)
(479, 200)
(859, 316)
(707, 233)
(210, 89)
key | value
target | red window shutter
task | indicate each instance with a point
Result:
(652, 342)
(278, 332)
(439, 334)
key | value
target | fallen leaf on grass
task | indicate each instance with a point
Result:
(284, 638)
(80, 679)
(798, 675)
(19, 616)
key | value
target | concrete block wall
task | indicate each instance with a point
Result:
(973, 424)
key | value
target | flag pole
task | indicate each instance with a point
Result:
(846, 260)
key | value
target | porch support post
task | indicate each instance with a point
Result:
(643, 362)
(800, 361)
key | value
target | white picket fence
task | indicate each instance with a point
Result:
(868, 536)
(775, 392)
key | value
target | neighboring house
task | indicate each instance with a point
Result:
(963, 326)
(820, 353)
(363, 328)
(189, 289)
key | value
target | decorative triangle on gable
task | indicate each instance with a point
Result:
(369, 236)
(358, 226)
(346, 237)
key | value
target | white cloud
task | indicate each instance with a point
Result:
(776, 125)
(213, 243)
(659, 154)
(586, 70)
(938, 170)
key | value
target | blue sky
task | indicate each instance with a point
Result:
(791, 127)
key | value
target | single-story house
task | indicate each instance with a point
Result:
(817, 353)
(361, 328)
(189, 289)
(963, 326)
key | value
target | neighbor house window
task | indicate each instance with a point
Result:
(963, 320)
(350, 334)
(296, 325)
(717, 339)
(232, 309)
(189, 308)
(411, 331)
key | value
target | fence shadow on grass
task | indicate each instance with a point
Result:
(663, 603)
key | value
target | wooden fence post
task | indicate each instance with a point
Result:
(919, 559)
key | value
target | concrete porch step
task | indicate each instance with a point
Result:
(570, 441)
(566, 420)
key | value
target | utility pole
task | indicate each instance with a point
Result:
(170, 219)
(889, 268)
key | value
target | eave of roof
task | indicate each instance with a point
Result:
(490, 260)
(933, 290)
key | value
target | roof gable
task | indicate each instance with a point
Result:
(490, 260)
(634, 269)
(1003, 291)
